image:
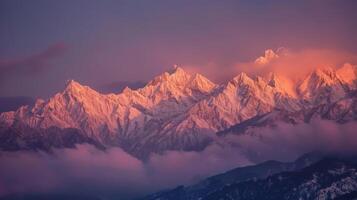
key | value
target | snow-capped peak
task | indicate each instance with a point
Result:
(75, 89)
(320, 77)
(72, 84)
(176, 83)
(281, 83)
(348, 73)
(201, 83)
(177, 70)
(241, 78)
(327, 75)
(127, 90)
(178, 110)
(177, 76)
(321, 85)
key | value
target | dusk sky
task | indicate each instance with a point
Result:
(279, 82)
(100, 43)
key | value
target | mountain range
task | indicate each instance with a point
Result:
(179, 111)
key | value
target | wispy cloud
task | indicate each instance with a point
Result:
(298, 63)
(34, 63)
(285, 61)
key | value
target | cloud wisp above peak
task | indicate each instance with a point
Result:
(291, 63)
(296, 64)
(269, 55)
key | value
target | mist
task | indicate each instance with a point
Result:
(115, 174)
(109, 174)
(287, 142)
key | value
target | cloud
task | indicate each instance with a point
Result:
(84, 169)
(114, 174)
(33, 63)
(299, 63)
(269, 56)
(111, 174)
(287, 141)
(190, 167)
(288, 62)
(296, 64)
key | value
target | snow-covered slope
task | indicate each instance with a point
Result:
(241, 98)
(341, 111)
(180, 111)
(322, 86)
(132, 118)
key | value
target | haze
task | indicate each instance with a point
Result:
(109, 44)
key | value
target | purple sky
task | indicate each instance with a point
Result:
(100, 43)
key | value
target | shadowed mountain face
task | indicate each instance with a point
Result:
(306, 178)
(241, 174)
(43, 139)
(182, 111)
(327, 179)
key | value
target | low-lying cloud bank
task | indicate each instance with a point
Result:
(116, 174)
(287, 142)
(110, 174)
